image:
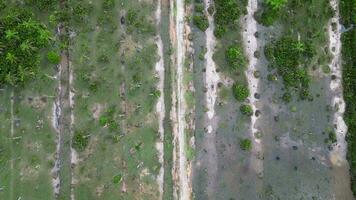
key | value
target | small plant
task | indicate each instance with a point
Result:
(246, 110)
(332, 137)
(53, 57)
(117, 179)
(287, 97)
(80, 140)
(246, 144)
(240, 92)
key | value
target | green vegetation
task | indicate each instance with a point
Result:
(21, 40)
(227, 14)
(241, 92)
(53, 57)
(289, 55)
(200, 19)
(80, 140)
(246, 144)
(246, 110)
(348, 17)
(276, 4)
(235, 57)
(201, 22)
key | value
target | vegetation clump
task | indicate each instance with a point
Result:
(235, 57)
(21, 40)
(108, 119)
(246, 144)
(288, 55)
(80, 140)
(200, 19)
(241, 92)
(276, 4)
(246, 110)
(271, 11)
(53, 57)
(226, 15)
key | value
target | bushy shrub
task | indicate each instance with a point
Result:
(241, 92)
(235, 57)
(246, 144)
(246, 110)
(53, 57)
(201, 21)
(80, 140)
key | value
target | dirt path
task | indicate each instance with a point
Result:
(179, 127)
(338, 154)
(73, 153)
(211, 83)
(251, 45)
(160, 107)
(56, 112)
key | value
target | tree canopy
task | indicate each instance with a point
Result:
(21, 40)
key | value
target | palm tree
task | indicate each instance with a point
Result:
(10, 35)
(26, 46)
(10, 57)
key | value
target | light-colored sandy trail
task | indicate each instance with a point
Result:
(341, 174)
(56, 112)
(160, 109)
(211, 76)
(338, 155)
(73, 152)
(251, 45)
(212, 79)
(179, 128)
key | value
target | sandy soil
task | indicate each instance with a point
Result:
(160, 109)
(250, 44)
(212, 79)
(338, 155)
(179, 129)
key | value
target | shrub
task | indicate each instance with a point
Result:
(227, 13)
(201, 21)
(80, 141)
(53, 57)
(246, 144)
(235, 57)
(117, 179)
(246, 110)
(240, 92)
